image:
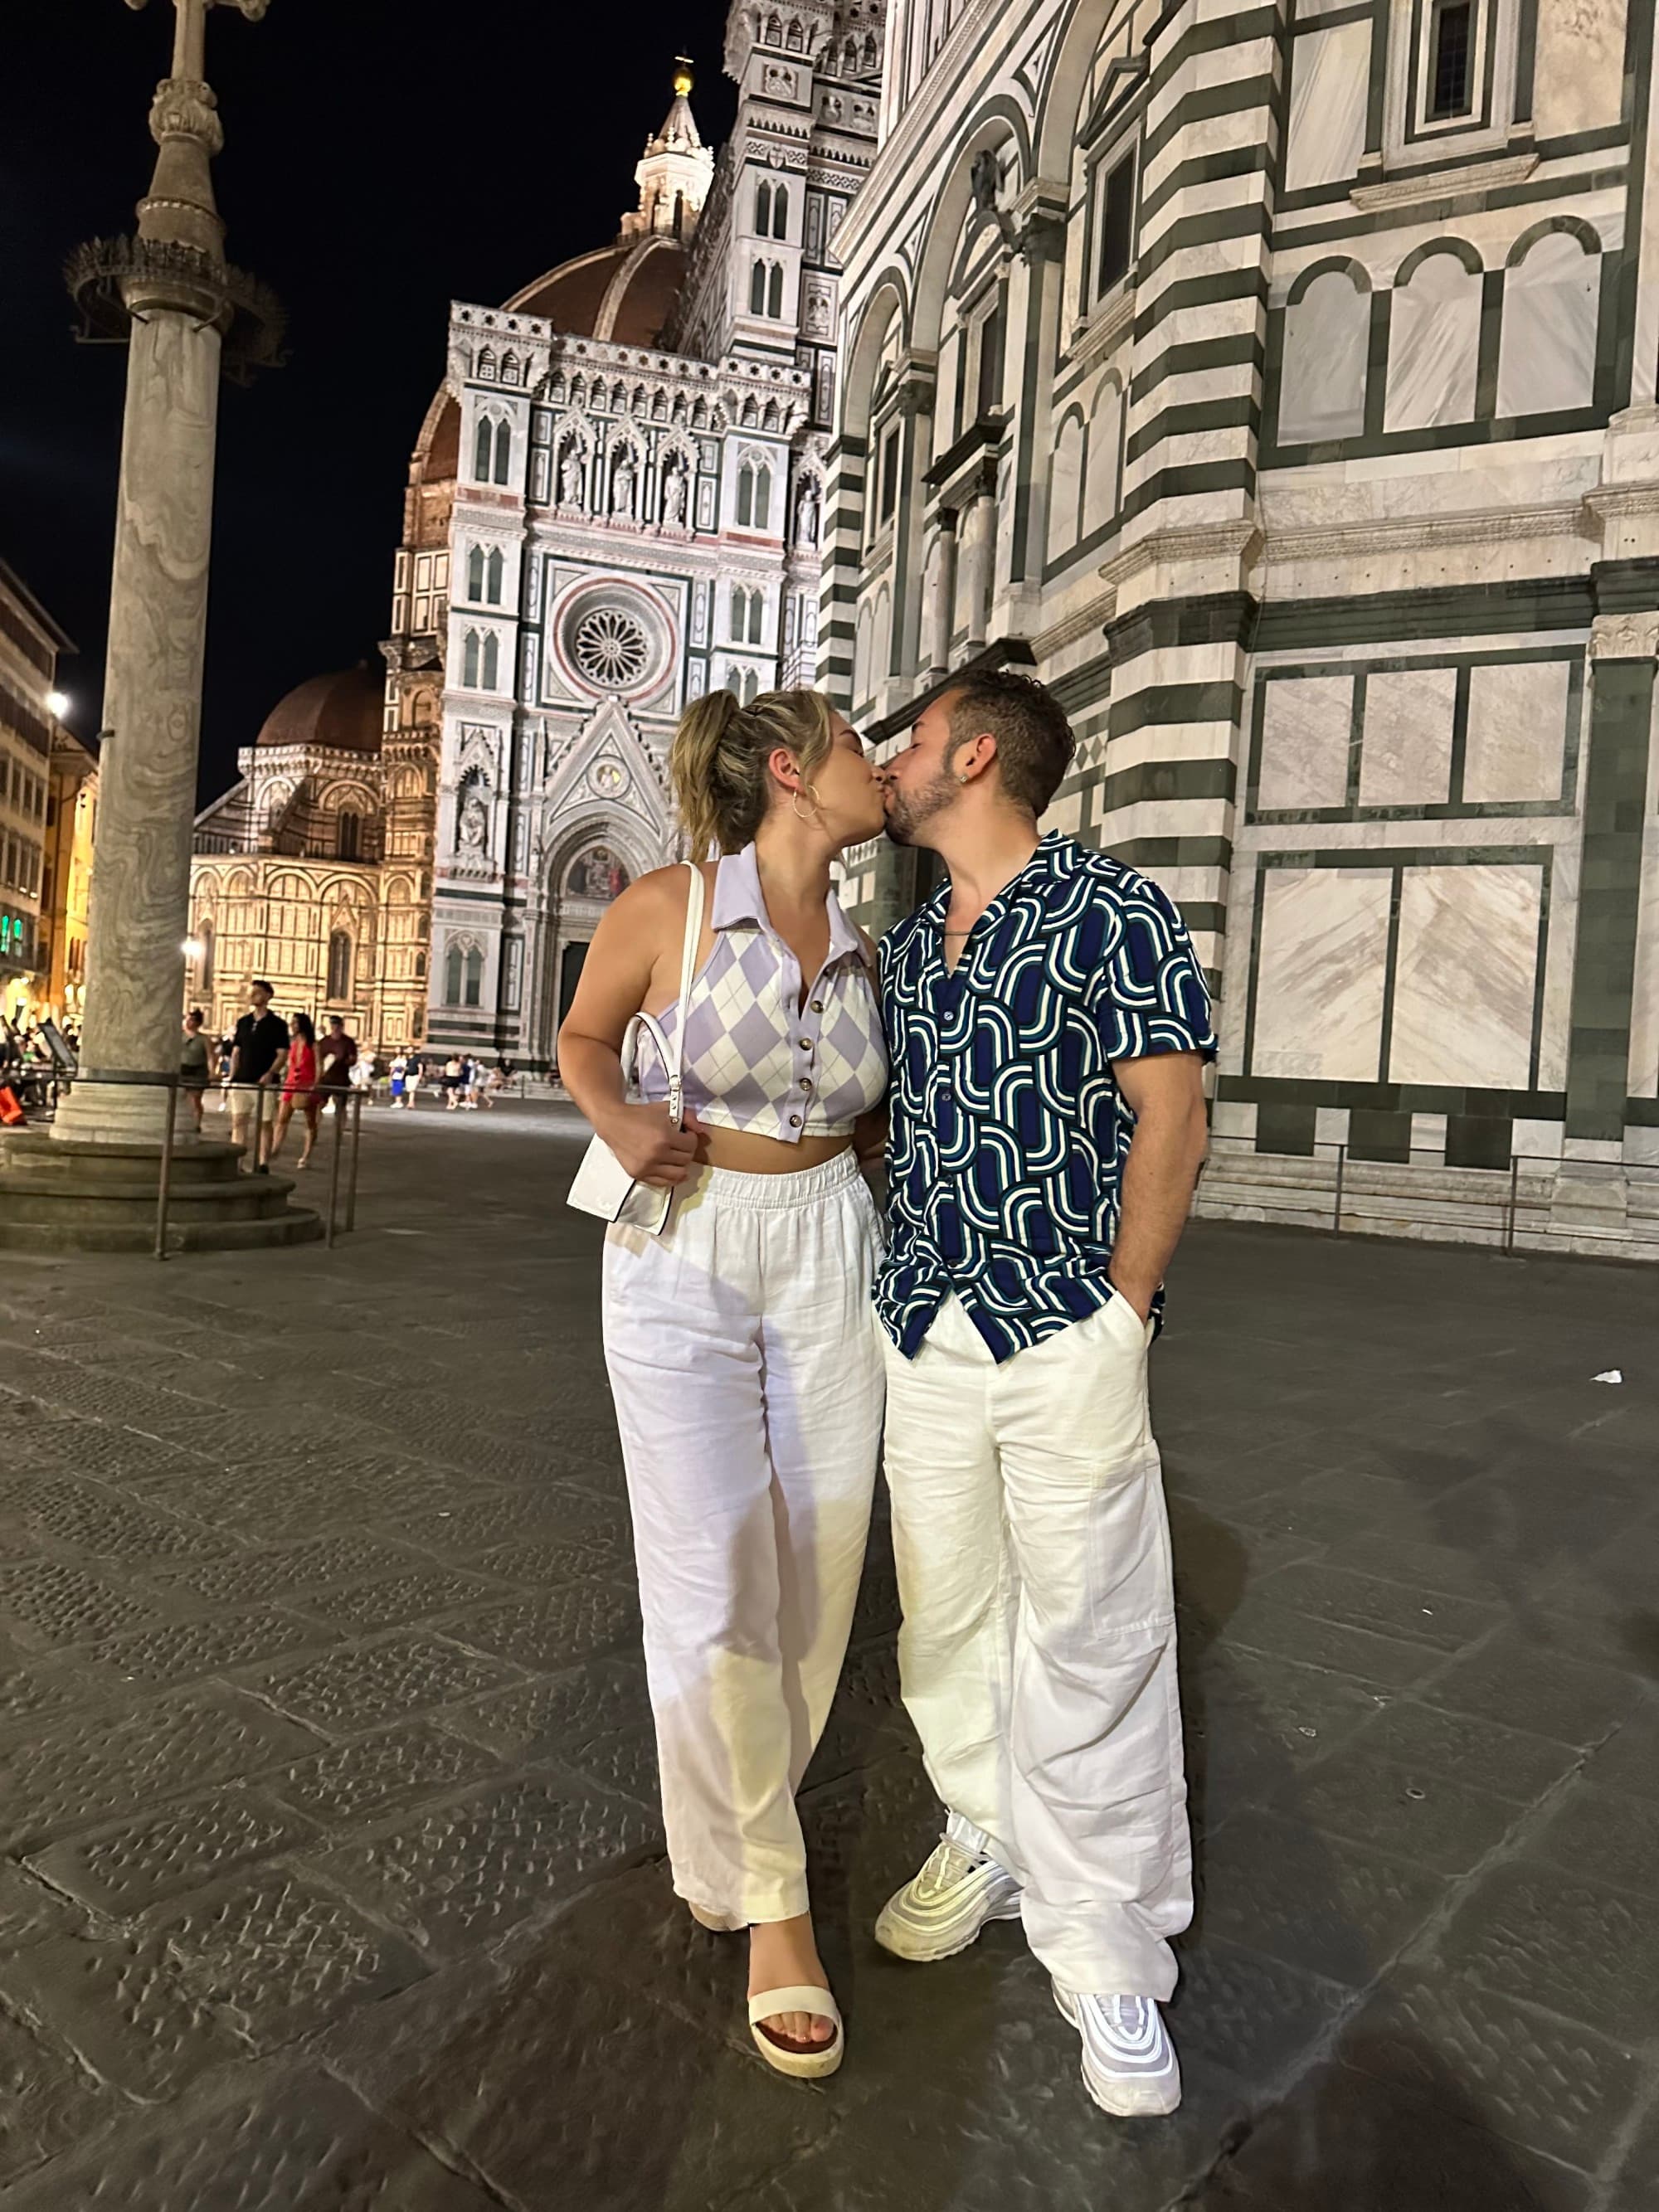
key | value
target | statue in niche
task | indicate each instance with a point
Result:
(806, 515)
(570, 477)
(597, 874)
(674, 495)
(622, 487)
(472, 825)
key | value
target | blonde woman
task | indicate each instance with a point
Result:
(745, 1370)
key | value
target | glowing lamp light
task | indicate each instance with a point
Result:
(58, 703)
(192, 948)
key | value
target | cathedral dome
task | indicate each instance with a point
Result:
(622, 293)
(343, 712)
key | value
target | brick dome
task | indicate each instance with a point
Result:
(343, 712)
(624, 293)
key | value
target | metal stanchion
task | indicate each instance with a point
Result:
(1341, 1163)
(356, 1141)
(165, 1191)
(1515, 1194)
(334, 1177)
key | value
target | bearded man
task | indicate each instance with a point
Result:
(1047, 1025)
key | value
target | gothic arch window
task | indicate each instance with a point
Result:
(469, 661)
(503, 452)
(764, 209)
(757, 288)
(472, 992)
(348, 836)
(486, 369)
(339, 966)
(491, 660)
(754, 495)
(475, 573)
(509, 368)
(775, 291)
(494, 568)
(483, 449)
(452, 964)
(204, 939)
(780, 212)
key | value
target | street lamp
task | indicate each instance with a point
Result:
(57, 704)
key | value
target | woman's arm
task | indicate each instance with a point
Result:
(616, 979)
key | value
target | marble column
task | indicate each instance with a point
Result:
(974, 566)
(140, 895)
(938, 598)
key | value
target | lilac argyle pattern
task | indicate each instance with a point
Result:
(751, 1061)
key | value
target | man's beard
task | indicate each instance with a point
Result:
(910, 811)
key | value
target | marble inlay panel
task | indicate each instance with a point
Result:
(1406, 752)
(1306, 729)
(1330, 73)
(1579, 68)
(1433, 345)
(1467, 975)
(1517, 730)
(1546, 349)
(1320, 974)
(1321, 386)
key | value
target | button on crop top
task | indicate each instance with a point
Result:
(754, 1058)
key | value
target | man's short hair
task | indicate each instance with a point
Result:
(258, 984)
(1035, 744)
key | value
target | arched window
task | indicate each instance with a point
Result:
(486, 370)
(1322, 377)
(1434, 338)
(475, 573)
(739, 620)
(775, 291)
(474, 991)
(756, 615)
(491, 660)
(757, 288)
(350, 835)
(204, 939)
(469, 661)
(780, 211)
(493, 568)
(503, 452)
(339, 966)
(763, 210)
(509, 368)
(754, 495)
(1547, 352)
(453, 966)
(483, 449)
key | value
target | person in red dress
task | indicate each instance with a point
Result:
(298, 1087)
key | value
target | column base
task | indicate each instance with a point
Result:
(60, 1193)
(113, 1113)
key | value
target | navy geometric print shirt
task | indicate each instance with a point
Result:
(1009, 1132)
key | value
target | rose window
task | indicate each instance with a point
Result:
(609, 647)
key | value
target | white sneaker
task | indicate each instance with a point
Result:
(1129, 2065)
(940, 1910)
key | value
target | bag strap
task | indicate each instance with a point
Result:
(694, 908)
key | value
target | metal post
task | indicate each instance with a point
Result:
(1515, 1188)
(357, 1142)
(165, 1192)
(1341, 1160)
(334, 1178)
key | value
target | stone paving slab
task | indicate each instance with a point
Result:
(330, 1864)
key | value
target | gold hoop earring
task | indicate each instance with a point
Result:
(795, 803)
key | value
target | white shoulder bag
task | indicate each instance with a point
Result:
(602, 1185)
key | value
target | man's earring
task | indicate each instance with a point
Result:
(962, 778)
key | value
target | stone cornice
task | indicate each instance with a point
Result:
(1494, 525)
(1219, 541)
(1431, 184)
(1092, 616)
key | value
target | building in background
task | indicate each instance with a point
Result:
(30, 642)
(289, 877)
(1279, 385)
(615, 505)
(66, 879)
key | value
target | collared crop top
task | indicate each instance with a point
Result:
(754, 1059)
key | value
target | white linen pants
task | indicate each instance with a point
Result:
(748, 1388)
(1037, 1655)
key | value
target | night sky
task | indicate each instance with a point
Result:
(382, 158)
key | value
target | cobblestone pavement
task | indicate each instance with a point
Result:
(331, 1871)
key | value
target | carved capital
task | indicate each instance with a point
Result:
(1626, 637)
(185, 107)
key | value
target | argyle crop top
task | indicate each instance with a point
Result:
(753, 1059)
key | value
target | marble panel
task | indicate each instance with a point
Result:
(1065, 487)
(1322, 386)
(1555, 1040)
(1320, 974)
(1537, 1140)
(1306, 734)
(1517, 730)
(1330, 77)
(1578, 73)
(1546, 348)
(1406, 746)
(1467, 975)
(1331, 1125)
(1433, 345)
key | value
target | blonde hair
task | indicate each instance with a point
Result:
(717, 761)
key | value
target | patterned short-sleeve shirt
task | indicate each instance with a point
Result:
(1009, 1131)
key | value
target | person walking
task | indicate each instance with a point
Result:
(194, 1067)
(300, 1088)
(1047, 1027)
(258, 1060)
(337, 1064)
(397, 1078)
(744, 1369)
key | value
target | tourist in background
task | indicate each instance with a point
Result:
(300, 1088)
(194, 1064)
(258, 1060)
(742, 1361)
(336, 1059)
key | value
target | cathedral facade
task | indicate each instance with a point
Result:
(1278, 384)
(616, 505)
